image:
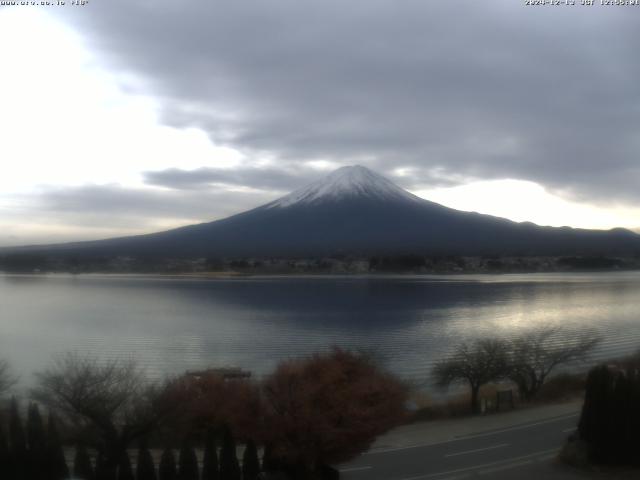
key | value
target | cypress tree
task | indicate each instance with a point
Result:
(634, 417)
(229, 467)
(268, 463)
(37, 444)
(188, 462)
(82, 468)
(271, 463)
(250, 462)
(5, 457)
(622, 444)
(18, 443)
(57, 463)
(125, 472)
(145, 469)
(210, 460)
(167, 469)
(610, 419)
(102, 471)
(594, 398)
(36, 437)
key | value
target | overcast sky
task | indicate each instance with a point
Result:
(129, 116)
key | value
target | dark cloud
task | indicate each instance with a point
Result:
(467, 89)
(258, 178)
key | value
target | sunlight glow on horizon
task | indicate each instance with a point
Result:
(525, 201)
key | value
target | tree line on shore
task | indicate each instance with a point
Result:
(27, 262)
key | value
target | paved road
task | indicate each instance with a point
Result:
(484, 454)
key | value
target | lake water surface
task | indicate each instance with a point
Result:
(174, 324)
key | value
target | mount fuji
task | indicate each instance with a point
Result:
(354, 210)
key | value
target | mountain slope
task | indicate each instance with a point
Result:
(354, 210)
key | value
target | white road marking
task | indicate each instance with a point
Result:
(567, 430)
(519, 427)
(355, 469)
(501, 468)
(476, 435)
(477, 450)
(549, 456)
(515, 461)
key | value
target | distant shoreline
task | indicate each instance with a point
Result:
(338, 264)
(246, 275)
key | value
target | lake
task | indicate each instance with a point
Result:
(173, 324)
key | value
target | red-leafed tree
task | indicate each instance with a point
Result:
(210, 400)
(327, 409)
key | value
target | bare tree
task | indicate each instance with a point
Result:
(534, 355)
(475, 363)
(7, 380)
(114, 398)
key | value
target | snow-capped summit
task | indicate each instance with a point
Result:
(346, 182)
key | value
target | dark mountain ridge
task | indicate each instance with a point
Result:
(355, 211)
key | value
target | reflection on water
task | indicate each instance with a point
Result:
(173, 324)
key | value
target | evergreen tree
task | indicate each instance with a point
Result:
(610, 416)
(210, 468)
(56, 461)
(634, 417)
(102, 471)
(82, 468)
(36, 437)
(145, 469)
(167, 469)
(592, 425)
(125, 472)
(188, 462)
(5, 457)
(229, 467)
(18, 443)
(622, 443)
(37, 464)
(269, 464)
(250, 462)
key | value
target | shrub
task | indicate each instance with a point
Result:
(327, 409)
